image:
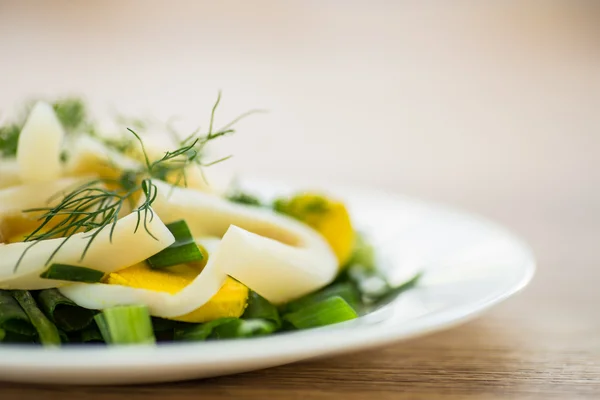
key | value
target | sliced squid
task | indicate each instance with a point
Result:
(39, 146)
(15, 199)
(9, 173)
(276, 256)
(89, 156)
(106, 255)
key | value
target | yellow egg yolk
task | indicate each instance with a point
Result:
(229, 301)
(329, 217)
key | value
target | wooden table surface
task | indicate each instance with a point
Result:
(493, 110)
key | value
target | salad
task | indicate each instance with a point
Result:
(112, 238)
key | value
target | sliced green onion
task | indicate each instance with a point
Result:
(370, 282)
(47, 332)
(64, 338)
(330, 311)
(11, 337)
(67, 315)
(91, 335)
(345, 290)
(244, 198)
(161, 324)
(243, 328)
(13, 319)
(126, 325)
(224, 328)
(198, 332)
(260, 308)
(363, 254)
(394, 291)
(64, 272)
(184, 250)
(164, 328)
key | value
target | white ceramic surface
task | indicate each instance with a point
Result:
(470, 265)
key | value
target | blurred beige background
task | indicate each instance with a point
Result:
(495, 107)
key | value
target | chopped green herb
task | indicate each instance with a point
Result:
(394, 291)
(244, 198)
(197, 332)
(9, 139)
(260, 308)
(91, 335)
(184, 250)
(363, 254)
(67, 315)
(71, 112)
(11, 337)
(47, 332)
(12, 316)
(72, 273)
(345, 290)
(126, 325)
(224, 328)
(327, 312)
(243, 328)
(300, 208)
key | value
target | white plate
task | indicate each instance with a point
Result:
(470, 265)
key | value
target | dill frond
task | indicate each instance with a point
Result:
(92, 207)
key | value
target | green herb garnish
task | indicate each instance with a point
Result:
(72, 273)
(184, 250)
(47, 332)
(71, 112)
(260, 308)
(329, 311)
(9, 139)
(67, 315)
(12, 316)
(126, 325)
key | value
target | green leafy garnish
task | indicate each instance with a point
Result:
(86, 208)
(260, 308)
(332, 310)
(345, 290)
(184, 250)
(9, 139)
(67, 315)
(72, 273)
(71, 112)
(91, 206)
(12, 316)
(244, 198)
(91, 335)
(126, 325)
(224, 328)
(47, 332)
(298, 208)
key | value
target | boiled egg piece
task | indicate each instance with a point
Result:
(229, 301)
(327, 216)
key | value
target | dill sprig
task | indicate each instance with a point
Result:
(191, 151)
(91, 206)
(193, 146)
(88, 207)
